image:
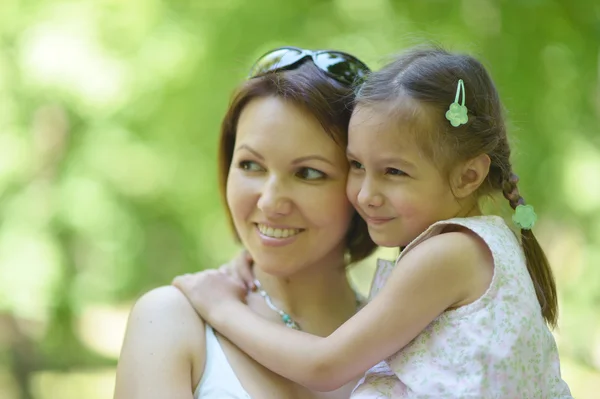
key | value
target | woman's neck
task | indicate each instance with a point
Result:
(319, 298)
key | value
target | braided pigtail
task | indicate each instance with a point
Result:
(537, 262)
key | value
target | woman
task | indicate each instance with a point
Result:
(283, 175)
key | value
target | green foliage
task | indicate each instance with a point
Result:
(110, 111)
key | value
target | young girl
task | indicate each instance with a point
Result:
(464, 311)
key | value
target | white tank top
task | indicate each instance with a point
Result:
(218, 380)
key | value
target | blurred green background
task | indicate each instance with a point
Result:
(109, 115)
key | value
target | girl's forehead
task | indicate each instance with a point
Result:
(405, 127)
(405, 116)
(401, 109)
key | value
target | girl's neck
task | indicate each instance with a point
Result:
(469, 209)
(319, 298)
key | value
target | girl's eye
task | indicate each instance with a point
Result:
(356, 165)
(250, 166)
(395, 172)
(311, 174)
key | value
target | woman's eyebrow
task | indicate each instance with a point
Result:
(247, 147)
(311, 157)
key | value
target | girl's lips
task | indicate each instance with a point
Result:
(378, 221)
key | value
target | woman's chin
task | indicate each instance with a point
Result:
(275, 269)
(277, 266)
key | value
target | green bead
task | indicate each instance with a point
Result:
(524, 217)
(286, 318)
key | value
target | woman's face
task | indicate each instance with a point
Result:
(286, 188)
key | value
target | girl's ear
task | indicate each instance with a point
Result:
(468, 176)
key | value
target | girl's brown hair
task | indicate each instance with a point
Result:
(323, 97)
(430, 77)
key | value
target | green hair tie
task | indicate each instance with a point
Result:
(457, 113)
(524, 217)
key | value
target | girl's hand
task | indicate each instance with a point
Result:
(208, 291)
(241, 268)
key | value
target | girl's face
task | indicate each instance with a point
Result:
(286, 189)
(394, 187)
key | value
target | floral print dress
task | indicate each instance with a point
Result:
(496, 347)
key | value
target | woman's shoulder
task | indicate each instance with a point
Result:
(165, 300)
(165, 316)
(167, 309)
(164, 345)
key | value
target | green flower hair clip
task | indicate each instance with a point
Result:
(524, 217)
(457, 113)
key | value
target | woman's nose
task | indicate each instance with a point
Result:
(274, 200)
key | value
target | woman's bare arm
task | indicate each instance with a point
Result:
(164, 333)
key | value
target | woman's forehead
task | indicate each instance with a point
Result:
(274, 118)
(280, 124)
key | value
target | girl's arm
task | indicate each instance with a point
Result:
(156, 359)
(432, 277)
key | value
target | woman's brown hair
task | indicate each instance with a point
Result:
(430, 77)
(326, 99)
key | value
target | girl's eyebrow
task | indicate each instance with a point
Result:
(396, 160)
(387, 160)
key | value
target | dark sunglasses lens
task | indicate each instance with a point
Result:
(343, 67)
(275, 60)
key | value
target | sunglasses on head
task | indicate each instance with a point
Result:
(343, 67)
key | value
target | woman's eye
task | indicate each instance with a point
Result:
(311, 174)
(394, 172)
(250, 166)
(356, 165)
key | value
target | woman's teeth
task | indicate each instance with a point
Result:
(277, 233)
